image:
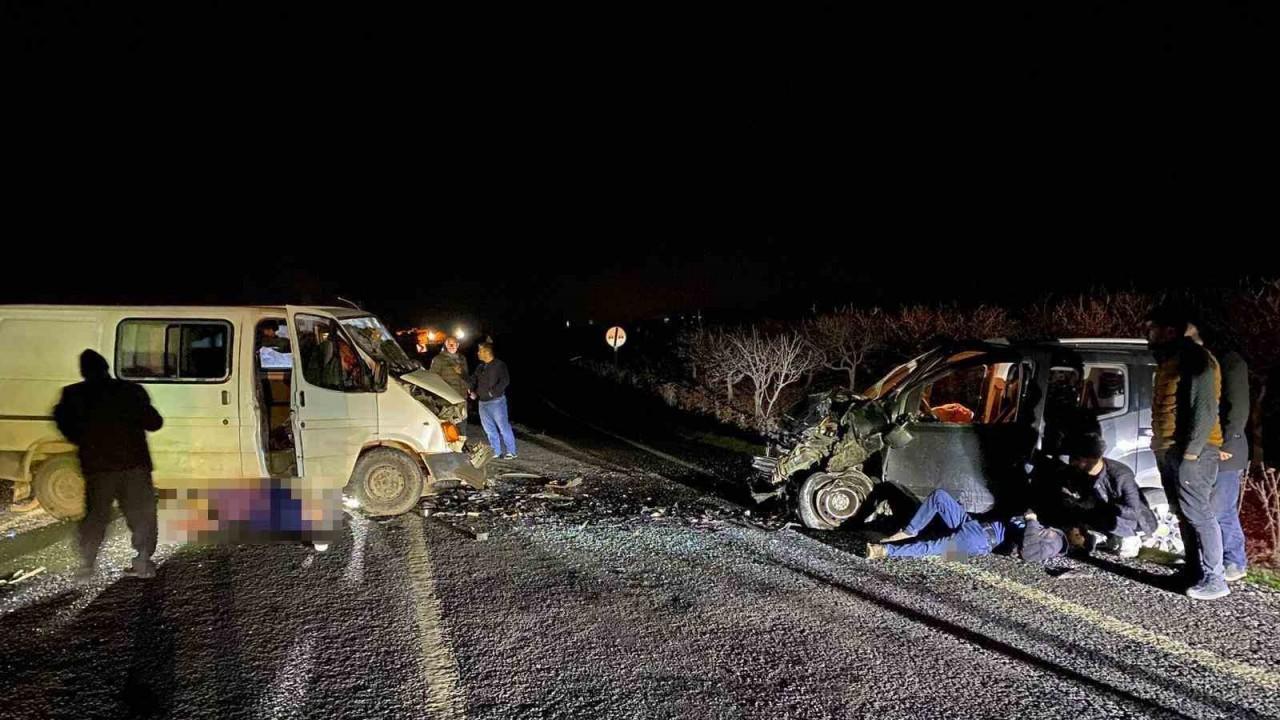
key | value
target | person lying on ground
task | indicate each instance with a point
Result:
(963, 536)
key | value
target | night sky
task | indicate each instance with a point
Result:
(507, 170)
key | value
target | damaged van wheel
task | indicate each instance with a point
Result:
(387, 482)
(826, 500)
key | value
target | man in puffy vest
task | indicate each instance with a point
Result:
(1187, 439)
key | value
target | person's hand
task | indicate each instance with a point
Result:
(1224, 456)
(1189, 456)
(471, 394)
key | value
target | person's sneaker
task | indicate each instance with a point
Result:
(1209, 590)
(1234, 573)
(510, 456)
(876, 551)
(143, 571)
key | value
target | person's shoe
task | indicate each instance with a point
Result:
(1209, 590)
(141, 570)
(1234, 573)
(876, 551)
(510, 456)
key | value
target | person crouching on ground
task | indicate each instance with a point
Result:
(1097, 493)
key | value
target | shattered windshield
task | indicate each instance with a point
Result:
(373, 338)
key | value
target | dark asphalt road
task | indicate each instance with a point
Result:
(639, 597)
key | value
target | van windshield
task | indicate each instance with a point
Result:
(373, 338)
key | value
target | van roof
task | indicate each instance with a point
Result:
(342, 312)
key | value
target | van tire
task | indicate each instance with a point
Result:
(826, 500)
(387, 482)
(59, 487)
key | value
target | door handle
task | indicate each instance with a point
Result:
(226, 398)
(302, 398)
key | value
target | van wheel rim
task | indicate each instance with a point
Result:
(836, 502)
(386, 482)
(67, 488)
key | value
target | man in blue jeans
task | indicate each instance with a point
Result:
(489, 386)
(1233, 414)
(967, 537)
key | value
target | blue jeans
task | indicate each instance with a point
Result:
(967, 536)
(493, 416)
(1226, 501)
(1189, 485)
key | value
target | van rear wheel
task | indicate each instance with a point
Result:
(387, 482)
(60, 487)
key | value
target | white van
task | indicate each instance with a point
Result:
(318, 393)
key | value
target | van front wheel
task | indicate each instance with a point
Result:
(60, 487)
(387, 482)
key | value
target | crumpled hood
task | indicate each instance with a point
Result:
(433, 384)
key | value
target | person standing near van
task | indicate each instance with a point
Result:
(1186, 439)
(451, 366)
(489, 386)
(108, 420)
(1233, 414)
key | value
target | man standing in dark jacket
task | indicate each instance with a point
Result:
(108, 420)
(1186, 439)
(489, 386)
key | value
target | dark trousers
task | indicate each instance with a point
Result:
(1189, 485)
(137, 498)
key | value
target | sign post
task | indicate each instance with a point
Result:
(615, 337)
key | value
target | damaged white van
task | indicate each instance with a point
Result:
(318, 393)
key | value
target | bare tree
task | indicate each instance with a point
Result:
(772, 363)
(711, 360)
(912, 328)
(1102, 313)
(1265, 485)
(845, 338)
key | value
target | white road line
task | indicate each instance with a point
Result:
(288, 693)
(359, 536)
(1129, 631)
(444, 696)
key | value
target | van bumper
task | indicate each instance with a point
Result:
(467, 468)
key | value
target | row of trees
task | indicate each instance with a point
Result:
(766, 360)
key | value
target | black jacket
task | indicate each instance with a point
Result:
(1111, 502)
(109, 421)
(1233, 411)
(490, 380)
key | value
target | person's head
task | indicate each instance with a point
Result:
(1085, 452)
(451, 344)
(268, 331)
(1042, 544)
(1167, 325)
(485, 352)
(93, 366)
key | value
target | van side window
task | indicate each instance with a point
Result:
(173, 350)
(328, 359)
(1102, 390)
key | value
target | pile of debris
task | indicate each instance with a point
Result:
(529, 500)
